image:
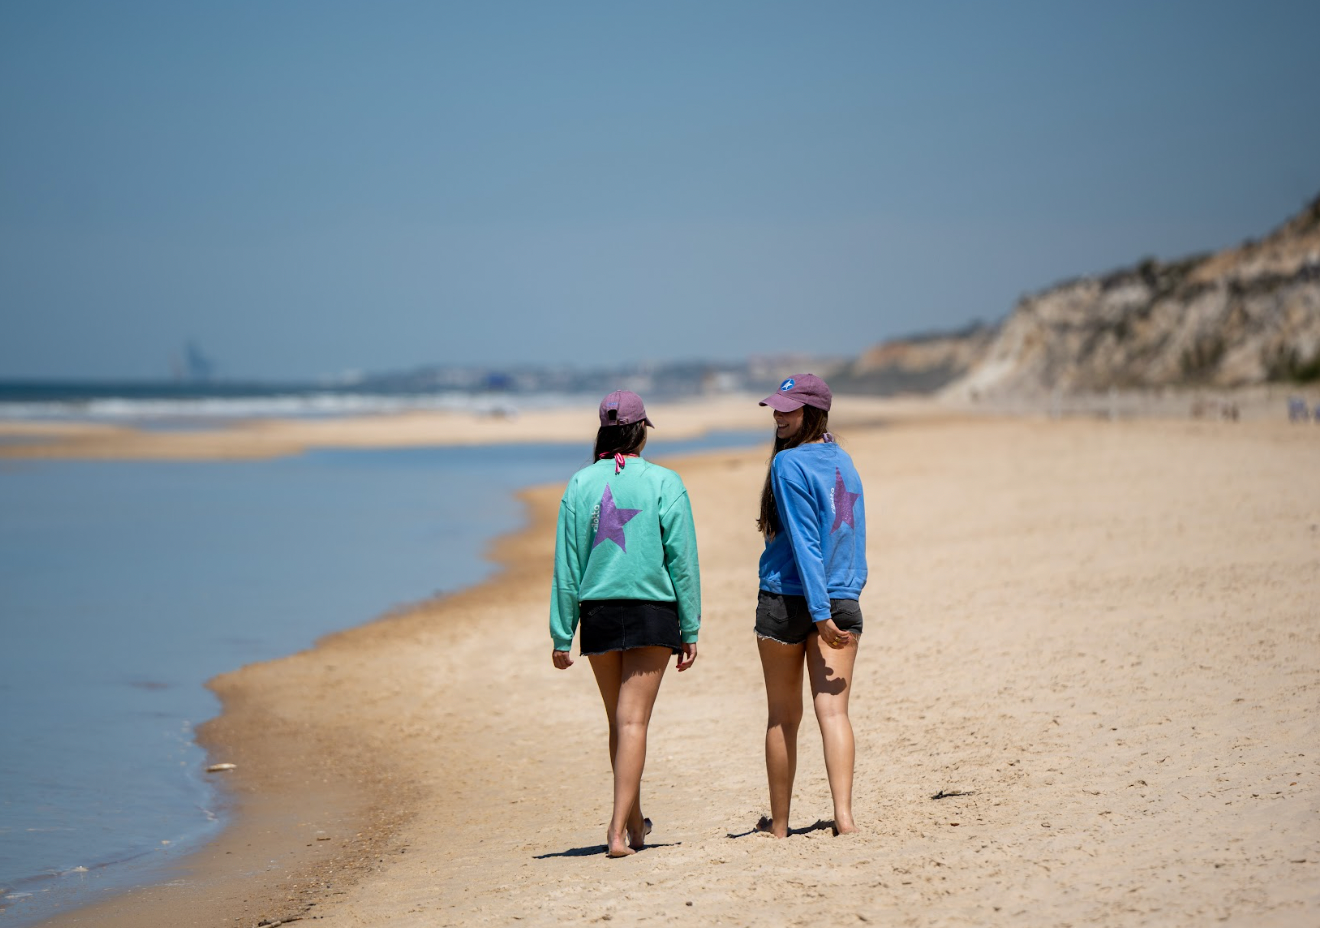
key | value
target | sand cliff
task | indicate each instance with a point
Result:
(1242, 317)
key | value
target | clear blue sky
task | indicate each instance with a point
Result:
(308, 186)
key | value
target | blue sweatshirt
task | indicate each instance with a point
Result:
(820, 549)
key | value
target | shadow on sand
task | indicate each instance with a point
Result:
(763, 828)
(598, 849)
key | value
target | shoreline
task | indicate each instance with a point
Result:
(344, 825)
(311, 812)
(253, 439)
(1026, 653)
(237, 799)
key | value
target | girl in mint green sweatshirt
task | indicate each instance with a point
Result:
(626, 573)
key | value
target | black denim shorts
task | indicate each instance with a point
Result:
(620, 624)
(787, 620)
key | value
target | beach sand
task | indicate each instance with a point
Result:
(1103, 637)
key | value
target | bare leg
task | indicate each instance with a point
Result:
(782, 666)
(628, 681)
(831, 671)
(608, 669)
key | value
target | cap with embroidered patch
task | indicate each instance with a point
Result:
(623, 407)
(798, 391)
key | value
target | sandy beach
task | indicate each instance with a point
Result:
(1100, 641)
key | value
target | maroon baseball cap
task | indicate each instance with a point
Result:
(623, 407)
(798, 391)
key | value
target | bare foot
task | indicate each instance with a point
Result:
(616, 848)
(638, 841)
(764, 826)
(844, 827)
(615, 844)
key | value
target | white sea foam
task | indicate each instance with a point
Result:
(276, 405)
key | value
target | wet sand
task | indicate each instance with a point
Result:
(1104, 636)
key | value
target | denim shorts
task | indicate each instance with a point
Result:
(620, 624)
(786, 619)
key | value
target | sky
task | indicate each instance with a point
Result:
(305, 188)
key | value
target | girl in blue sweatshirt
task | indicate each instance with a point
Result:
(811, 574)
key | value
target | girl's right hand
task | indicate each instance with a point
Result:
(561, 659)
(830, 634)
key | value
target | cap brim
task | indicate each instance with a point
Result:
(781, 402)
(647, 420)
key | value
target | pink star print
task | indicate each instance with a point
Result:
(843, 504)
(612, 520)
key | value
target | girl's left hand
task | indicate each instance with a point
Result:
(561, 659)
(688, 656)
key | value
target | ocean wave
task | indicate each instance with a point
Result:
(277, 406)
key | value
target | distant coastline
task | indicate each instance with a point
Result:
(147, 401)
(435, 387)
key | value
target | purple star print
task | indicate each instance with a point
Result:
(843, 504)
(612, 520)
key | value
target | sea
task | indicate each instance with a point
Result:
(125, 586)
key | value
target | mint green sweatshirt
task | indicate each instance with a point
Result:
(625, 536)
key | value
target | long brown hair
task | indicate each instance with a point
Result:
(619, 439)
(815, 423)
